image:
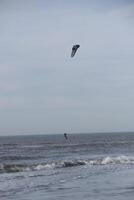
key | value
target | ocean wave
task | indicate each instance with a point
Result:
(9, 168)
(12, 157)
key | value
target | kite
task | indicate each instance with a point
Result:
(74, 49)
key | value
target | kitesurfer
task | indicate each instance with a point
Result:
(65, 135)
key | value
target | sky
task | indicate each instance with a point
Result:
(43, 90)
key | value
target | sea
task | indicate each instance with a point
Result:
(97, 166)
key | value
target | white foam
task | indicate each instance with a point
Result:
(113, 160)
(125, 160)
(44, 166)
(107, 160)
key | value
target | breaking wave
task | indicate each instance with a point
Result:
(9, 168)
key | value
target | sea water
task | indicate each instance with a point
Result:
(51, 167)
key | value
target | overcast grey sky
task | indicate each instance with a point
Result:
(43, 90)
